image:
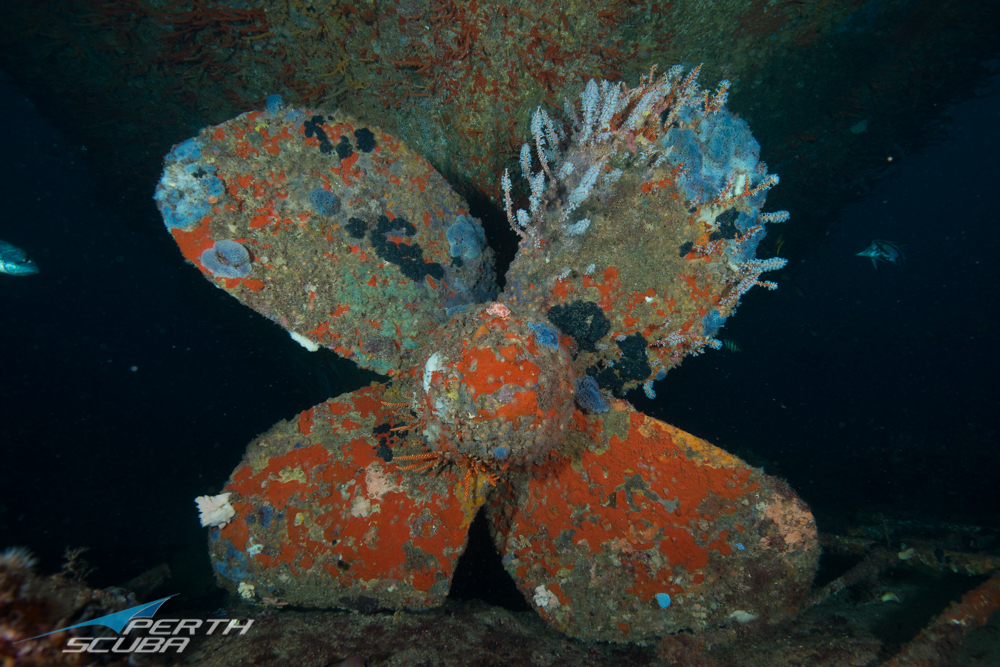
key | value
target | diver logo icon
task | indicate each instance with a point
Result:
(164, 634)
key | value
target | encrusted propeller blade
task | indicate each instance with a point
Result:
(644, 216)
(323, 519)
(331, 228)
(639, 529)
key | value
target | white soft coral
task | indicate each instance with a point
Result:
(17, 558)
(215, 510)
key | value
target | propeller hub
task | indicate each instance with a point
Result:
(497, 388)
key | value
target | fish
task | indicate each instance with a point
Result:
(883, 251)
(15, 262)
(731, 345)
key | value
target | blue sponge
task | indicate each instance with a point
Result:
(747, 248)
(226, 259)
(181, 211)
(186, 151)
(712, 322)
(545, 335)
(588, 395)
(185, 187)
(729, 143)
(467, 239)
(712, 147)
(684, 148)
(324, 202)
(274, 104)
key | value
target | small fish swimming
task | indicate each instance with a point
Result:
(15, 262)
(883, 251)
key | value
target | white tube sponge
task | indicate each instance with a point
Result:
(303, 341)
(215, 510)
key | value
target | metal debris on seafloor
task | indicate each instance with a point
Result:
(643, 215)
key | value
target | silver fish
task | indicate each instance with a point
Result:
(883, 251)
(15, 262)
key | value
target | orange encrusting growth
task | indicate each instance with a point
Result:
(647, 509)
(326, 504)
(493, 393)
